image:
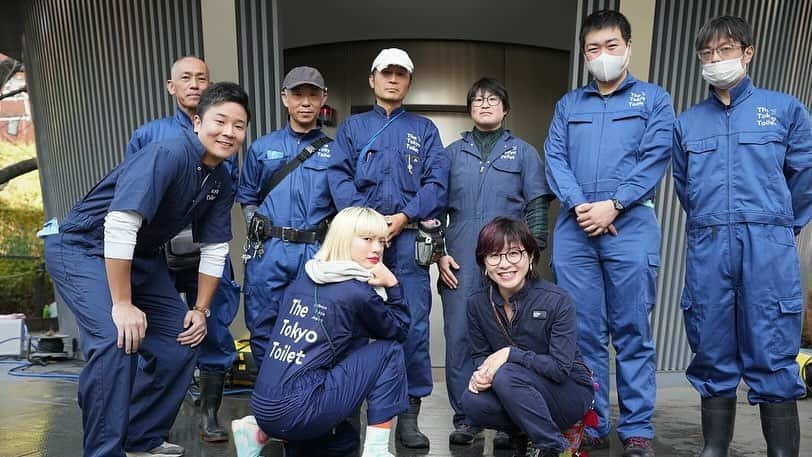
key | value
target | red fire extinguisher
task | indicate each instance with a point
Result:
(327, 115)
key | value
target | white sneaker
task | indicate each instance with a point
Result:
(164, 450)
(248, 438)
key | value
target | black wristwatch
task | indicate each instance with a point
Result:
(618, 206)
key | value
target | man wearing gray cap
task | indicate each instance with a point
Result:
(286, 201)
(394, 162)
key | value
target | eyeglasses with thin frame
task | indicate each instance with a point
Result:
(492, 100)
(513, 257)
(726, 51)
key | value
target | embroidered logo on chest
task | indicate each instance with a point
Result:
(765, 116)
(413, 142)
(212, 194)
(637, 99)
(510, 154)
(324, 152)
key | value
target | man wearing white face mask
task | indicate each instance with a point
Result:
(742, 163)
(606, 152)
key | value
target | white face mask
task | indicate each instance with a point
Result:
(607, 67)
(724, 74)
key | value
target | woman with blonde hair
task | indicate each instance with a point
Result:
(319, 368)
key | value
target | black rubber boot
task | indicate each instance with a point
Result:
(211, 395)
(407, 430)
(718, 418)
(779, 422)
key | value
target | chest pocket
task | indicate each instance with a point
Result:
(579, 130)
(703, 165)
(627, 128)
(506, 177)
(271, 160)
(766, 148)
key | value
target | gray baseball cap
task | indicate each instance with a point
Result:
(303, 75)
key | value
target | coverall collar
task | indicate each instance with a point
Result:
(468, 139)
(738, 92)
(197, 146)
(380, 110)
(183, 119)
(312, 133)
(592, 87)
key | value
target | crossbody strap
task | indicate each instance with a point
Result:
(292, 165)
(372, 139)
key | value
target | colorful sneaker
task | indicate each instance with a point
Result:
(164, 450)
(637, 446)
(249, 439)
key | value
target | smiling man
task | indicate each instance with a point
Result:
(606, 152)
(108, 266)
(189, 78)
(393, 161)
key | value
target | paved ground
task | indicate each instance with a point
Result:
(39, 417)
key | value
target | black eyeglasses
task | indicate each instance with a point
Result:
(727, 51)
(492, 100)
(513, 257)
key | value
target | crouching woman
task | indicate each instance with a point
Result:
(530, 380)
(319, 368)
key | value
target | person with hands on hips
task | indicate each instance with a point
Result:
(492, 173)
(107, 263)
(530, 380)
(320, 366)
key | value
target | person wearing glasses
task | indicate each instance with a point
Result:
(493, 173)
(530, 379)
(320, 365)
(606, 152)
(742, 164)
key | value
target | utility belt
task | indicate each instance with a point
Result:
(261, 229)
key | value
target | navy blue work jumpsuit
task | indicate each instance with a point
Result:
(127, 403)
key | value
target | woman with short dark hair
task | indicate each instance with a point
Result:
(530, 379)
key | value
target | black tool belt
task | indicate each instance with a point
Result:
(261, 229)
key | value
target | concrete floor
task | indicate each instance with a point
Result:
(40, 417)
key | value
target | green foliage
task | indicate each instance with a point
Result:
(21, 251)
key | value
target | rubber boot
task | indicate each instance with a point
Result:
(407, 430)
(779, 422)
(211, 395)
(718, 418)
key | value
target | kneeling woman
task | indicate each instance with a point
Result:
(529, 376)
(319, 367)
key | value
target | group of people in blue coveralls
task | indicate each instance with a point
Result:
(742, 165)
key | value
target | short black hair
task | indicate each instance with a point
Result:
(223, 92)
(489, 85)
(606, 19)
(724, 26)
(502, 231)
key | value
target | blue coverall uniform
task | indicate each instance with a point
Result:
(600, 148)
(478, 191)
(743, 174)
(544, 387)
(217, 353)
(127, 404)
(319, 367)
(405, 170)
(300, 201)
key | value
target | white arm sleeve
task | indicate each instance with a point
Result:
(120, 234)
(213, 259)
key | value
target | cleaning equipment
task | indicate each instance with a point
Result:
(244, 371)
(805, 363)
